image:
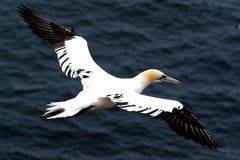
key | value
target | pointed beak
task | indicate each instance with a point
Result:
(170, 80)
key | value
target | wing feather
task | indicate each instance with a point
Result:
(188, 126)
(179, 118)
(72, 50)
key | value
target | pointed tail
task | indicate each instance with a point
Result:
(60, 110)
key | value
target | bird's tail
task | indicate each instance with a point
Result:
(60, 110)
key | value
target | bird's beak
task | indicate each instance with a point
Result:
(170, 80)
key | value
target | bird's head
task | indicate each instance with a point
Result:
(155, 76)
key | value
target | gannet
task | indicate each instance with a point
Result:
(102, 90)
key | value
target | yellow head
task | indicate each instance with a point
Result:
(153, 75)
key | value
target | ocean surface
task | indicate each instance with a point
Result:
(194, 41)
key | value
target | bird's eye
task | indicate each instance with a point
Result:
(164, 76)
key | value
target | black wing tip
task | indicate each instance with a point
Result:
(22, 6)
(212, 144)
(23, 9)
(185, 124)
(45, 29)
(215, 147)
(212, 147)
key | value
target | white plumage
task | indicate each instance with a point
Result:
(102, 90)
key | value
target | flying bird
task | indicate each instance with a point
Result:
(102, 90)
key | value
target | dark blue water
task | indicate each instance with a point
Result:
(194, 41)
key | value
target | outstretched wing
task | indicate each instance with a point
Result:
(72, 50)
(179, 118)
(186, 124)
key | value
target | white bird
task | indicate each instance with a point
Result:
(102, 90)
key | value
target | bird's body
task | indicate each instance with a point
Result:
(102, 90)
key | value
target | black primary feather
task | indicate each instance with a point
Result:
(185, 124)
(45, 29)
